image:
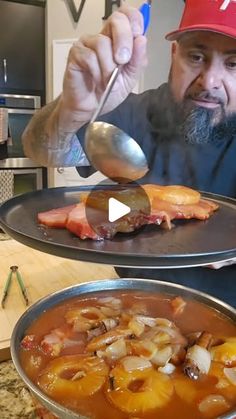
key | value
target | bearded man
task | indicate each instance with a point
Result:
(186, 127)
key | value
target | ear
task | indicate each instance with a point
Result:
(173, 48)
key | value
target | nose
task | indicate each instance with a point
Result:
(210, 77)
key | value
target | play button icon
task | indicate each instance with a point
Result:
(116, 210)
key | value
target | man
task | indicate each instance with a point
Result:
(187, 128)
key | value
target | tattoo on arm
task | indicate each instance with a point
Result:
(52, 146)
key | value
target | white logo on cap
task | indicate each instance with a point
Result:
(226, 3)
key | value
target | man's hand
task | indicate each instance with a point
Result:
(219, 265)
(50, 136)
(92, 60)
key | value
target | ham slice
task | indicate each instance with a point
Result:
(56, 217)
(74, 217)
(201, 211)
(77, 223)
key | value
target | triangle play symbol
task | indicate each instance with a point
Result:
(116, 210)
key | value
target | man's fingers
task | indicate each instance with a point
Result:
(135, 19)
(219, 265)
(139, 56)
(84, 59)
(119, 31)
(102, 46)
(92, 60)
(122, 27)
(118, 43)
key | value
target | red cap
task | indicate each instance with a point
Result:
(207, 15)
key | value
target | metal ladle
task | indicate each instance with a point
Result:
(109, 149)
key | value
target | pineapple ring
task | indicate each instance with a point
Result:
(225, 353)
(85, 318)
(138, 391)
(174, 194)
(73, 376)
(227, 389)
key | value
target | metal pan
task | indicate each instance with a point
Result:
(190, 243)
(123, 284)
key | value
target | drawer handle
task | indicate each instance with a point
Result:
(5, 70)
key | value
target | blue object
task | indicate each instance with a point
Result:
(145, 9)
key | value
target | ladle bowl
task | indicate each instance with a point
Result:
(114, 153)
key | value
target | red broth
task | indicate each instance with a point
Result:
(60, 346)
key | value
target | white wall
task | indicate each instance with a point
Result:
(165, 17)
(60, 25)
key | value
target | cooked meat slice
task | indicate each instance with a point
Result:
(78, 224)
(166, 204)
(56, 217)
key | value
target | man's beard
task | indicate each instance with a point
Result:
(194, 124)
(200, 125)
(197, 124)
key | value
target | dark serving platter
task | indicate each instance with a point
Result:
(189, 243)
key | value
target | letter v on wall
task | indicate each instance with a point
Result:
(75, 13)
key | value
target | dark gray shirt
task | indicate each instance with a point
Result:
(149, 118)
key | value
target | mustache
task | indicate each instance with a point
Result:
(207, 96)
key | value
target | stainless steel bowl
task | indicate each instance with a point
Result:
(119, 284)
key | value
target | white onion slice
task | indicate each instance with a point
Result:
(111, 301)
(201, 357)
(162, 356)
(167, 369)
(211, 402)
(131, 363)
(136, 326)
(148, 321)
(117, 349)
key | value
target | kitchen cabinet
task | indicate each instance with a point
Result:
(22, 47)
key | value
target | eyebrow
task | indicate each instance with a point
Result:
(190, 44)
(205, 48)
(230, 52)
(200, 46)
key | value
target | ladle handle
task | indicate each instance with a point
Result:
(145, 10)
(106, 93)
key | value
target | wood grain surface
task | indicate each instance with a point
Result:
(43, 274)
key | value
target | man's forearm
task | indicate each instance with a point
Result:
(50, 138)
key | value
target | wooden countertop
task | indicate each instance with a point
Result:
(42, 274)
